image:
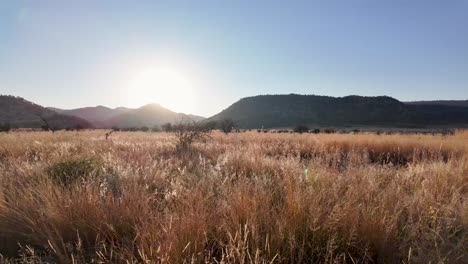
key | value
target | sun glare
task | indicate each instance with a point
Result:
(164, 86)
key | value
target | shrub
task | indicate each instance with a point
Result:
(70, 171)
(316, 131)
(329, 130)
(301, 129)
(5, 127)
(209, 126)
(167, 127)
(188, 133)
(226, 125)
(144, 128)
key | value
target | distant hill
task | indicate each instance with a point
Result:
(149, 115)
(96, 115)
(19, 112)
(276, 111)
(462, 103)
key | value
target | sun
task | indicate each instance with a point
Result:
(164, 86)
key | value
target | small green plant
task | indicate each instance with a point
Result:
(71, 171)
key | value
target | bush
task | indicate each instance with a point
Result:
(5, 127)
(301, 129)
(316, 131)
(144, 129)
(226, 125)
(209, 126)
(167, 127)
(71, 171)
(329, 130)
(188, 133)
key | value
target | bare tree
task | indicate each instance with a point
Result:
(187, 133)
(108, 134)
(46, 126)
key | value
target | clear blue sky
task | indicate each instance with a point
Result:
(84, 53)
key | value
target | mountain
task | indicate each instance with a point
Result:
(149, 115)
(462, 103)
(96, 115)
(276, 111)
(19, 112)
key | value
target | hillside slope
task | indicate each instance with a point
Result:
(149, 115)
(96, 115)
(19, 112)
(275, 111)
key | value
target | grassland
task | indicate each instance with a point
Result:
(74, 197)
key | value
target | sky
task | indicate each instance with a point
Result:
(71, 54)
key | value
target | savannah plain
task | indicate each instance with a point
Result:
(141, 197)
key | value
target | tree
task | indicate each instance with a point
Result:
(226, 125)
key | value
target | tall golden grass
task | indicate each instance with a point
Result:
(74, 197)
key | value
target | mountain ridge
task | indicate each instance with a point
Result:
(268, 111)
(21, 113)
(276, 111)
(149, 115)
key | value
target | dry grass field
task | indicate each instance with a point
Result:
(74, 197)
